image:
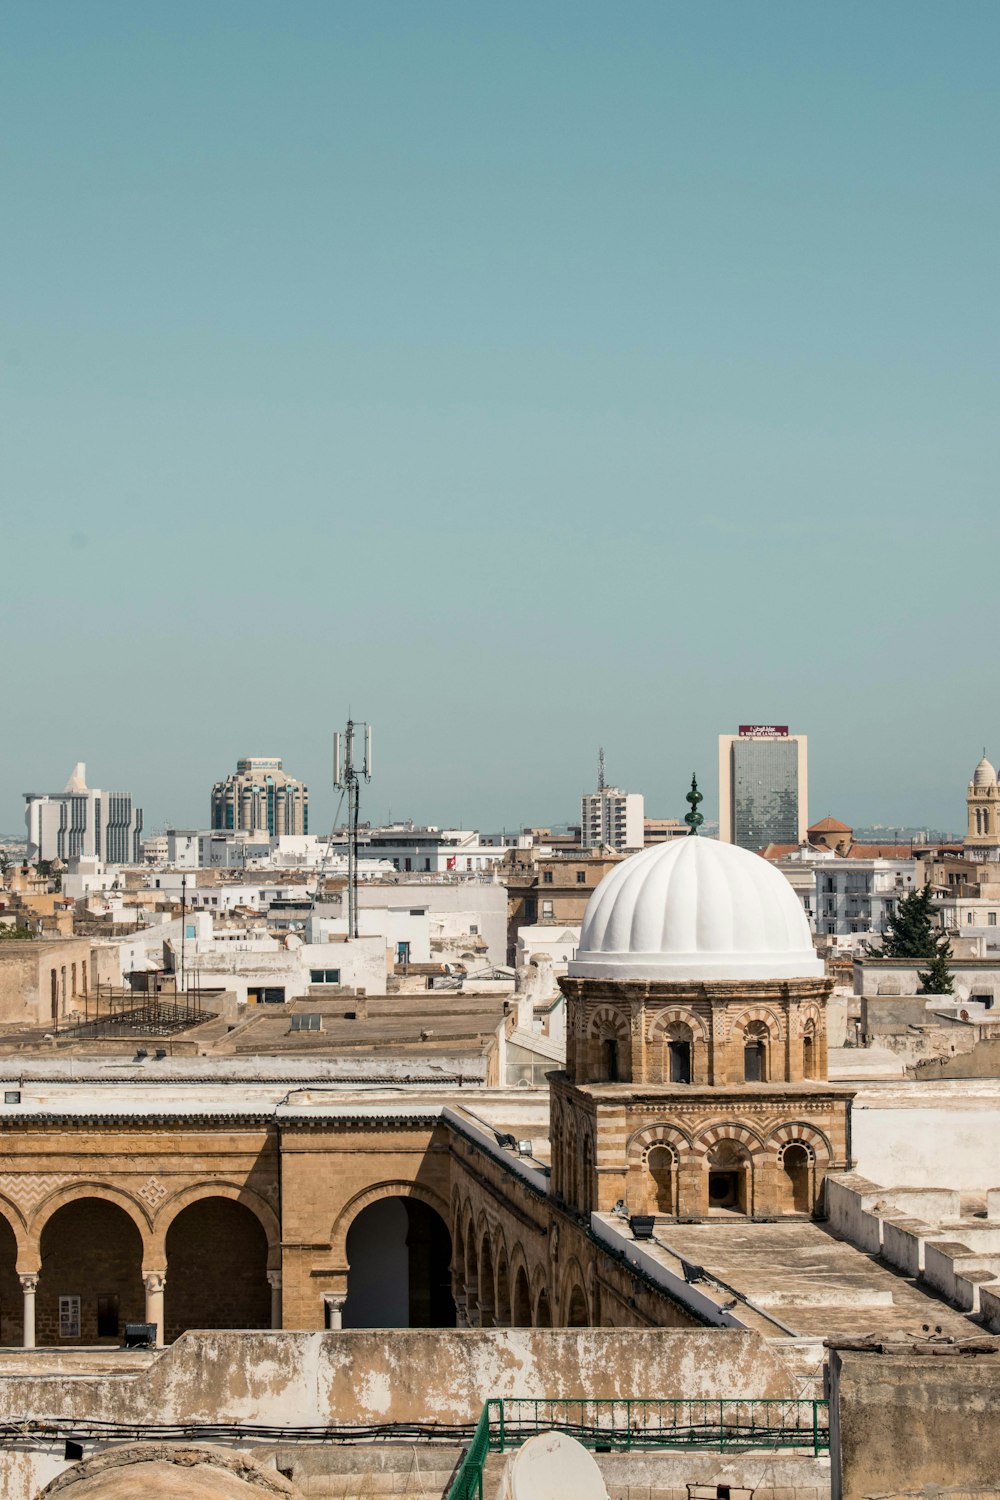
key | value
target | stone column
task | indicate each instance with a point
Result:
(334, 1303)
(29, 1286)
(274, 1280)
(154, 1282)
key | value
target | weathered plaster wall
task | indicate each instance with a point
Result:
(903, 1421)
(398, 1375)
(902, 1141)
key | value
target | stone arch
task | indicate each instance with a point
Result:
(19, 1228)
(543, 1309)
(230, 1190)
(608, 1046)
(727, 1130)
(501, 1285)
(78, 1190)
(586, 1189)
(608, 1020)
(520, 1302)
(806, 1012)
(763, 1015)
(574, 1304)
(644, 1192)
(400, 1254)
(662, 1019)
(654, 1135)
(798, 1132)
(486, 1279)
(679, 1046)
(91, 1254)
(351, 1209)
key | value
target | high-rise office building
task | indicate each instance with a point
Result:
(763, 786)
(612, 818)
(83, 820)
(261, 798)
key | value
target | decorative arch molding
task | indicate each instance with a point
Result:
(728, 1130)
(236, 1193)
(773, 1020)
(374, 1194)
(806, 1019)
(642, 1141)
(798, 1133)
(19, 1229)
(608, 1021)
(658, 1023)
(77, 1191)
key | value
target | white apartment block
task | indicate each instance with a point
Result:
(858, 896)
(83, 821)
(614, 819)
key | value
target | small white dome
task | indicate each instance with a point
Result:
(695, 909)
(984, 774)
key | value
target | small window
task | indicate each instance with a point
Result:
(474, 929)
(546, 908)
(991, 919)
(416, 911)
(324, 976)
(307, 1023)
(546, 877)
(69, 1317)
(581, 877)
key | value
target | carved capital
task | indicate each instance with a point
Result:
(29, 1282)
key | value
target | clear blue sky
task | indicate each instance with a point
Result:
(525, 376)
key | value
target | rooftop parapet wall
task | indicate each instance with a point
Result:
(378, 1376)
(905, 1422)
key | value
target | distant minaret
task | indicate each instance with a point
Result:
(600, 769)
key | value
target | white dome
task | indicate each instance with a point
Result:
(695, 909)
(984, 774)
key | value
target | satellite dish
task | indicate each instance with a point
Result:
(550, 1466)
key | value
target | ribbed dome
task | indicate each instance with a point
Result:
(984, 774)
(695, 909)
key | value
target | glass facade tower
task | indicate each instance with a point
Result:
(762, 789)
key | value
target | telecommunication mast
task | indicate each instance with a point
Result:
(347, 779)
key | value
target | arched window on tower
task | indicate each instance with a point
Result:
(809, 1066)
(609, 1059)
(755, 1040)
(661, 1165)
(679, 1053)
(797, 1163)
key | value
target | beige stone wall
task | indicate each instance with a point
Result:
(32, 970)
(655, 1149)
(906, 1423)
(641, 1018)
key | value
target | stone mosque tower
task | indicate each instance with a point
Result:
(982, 839)
(695, 1082)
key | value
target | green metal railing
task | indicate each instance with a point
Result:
(619, 1425)
(468, 1481)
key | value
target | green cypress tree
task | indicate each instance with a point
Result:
(936, 979)
(911, 934)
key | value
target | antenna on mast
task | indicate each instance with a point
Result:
(600, 769)
(347, 779)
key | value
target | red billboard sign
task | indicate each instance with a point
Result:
(771, 731)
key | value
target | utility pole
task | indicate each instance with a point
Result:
(600, 769)
(184, 882)
(347, 779)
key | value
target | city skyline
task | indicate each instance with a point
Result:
(529, 379)
(380, 806)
